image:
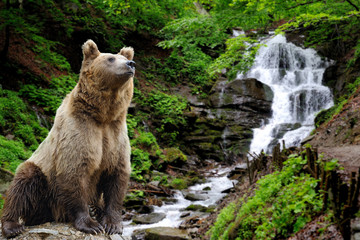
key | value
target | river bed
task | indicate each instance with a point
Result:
(217, 181)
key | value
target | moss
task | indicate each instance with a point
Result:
(196, 207)
(178, 183)
(174, 156)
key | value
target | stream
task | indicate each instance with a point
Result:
(216, 182)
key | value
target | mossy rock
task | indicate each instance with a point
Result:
(174, 156)
(178, 183)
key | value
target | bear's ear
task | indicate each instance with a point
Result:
(90, 50)
(127, 52)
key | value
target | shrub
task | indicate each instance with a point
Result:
(12, 153)
(16, 118)
(283, 203)
(50, 98)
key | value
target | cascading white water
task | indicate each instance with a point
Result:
(173, 211)
(295, 76)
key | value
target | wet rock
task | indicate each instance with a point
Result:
(138, 234)
(165, 233)
(249, 92)
(195, 197)
(206, 188)
(196, 207)
(149, 218)
(237, 171)
(145, 209)
(355, 225)
(228, 190)
(356, 236)
(185, 214)
(169, 200)
(222, 129)
(200, 208)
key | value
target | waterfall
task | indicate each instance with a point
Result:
(295, 76)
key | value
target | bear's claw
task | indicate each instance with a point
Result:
(88, 225)
(111, 227)
(12, 229)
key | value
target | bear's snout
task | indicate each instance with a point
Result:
(131, 64)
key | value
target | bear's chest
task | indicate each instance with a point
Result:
(115, 146)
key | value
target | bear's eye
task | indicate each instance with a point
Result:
(111, 59)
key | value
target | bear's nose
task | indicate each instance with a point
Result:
(131, 64)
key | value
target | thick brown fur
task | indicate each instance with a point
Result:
(85, 160)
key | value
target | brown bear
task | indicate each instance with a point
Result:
(85, 159)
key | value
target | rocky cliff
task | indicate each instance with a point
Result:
(223, 122)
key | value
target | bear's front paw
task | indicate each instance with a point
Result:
(111, 226)
(11, 229)
(88, 225)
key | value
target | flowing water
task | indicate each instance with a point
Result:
(295, 76)
(173, 211)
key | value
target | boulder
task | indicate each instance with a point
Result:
(165, 233)
(149, 218)
(195, 197)
(221, 126)
(241, 93)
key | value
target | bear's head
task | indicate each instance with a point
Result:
(107, 70)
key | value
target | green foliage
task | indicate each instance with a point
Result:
(16, 118)
(141, 15)
(325, 116)
(45, 50)
(12, 153)
(238, 57)
(356, 55)
(193, 37)
(352, 87)
(29, 27)
(140, 163)
(169, 70)
(169, 111)
(132, 123)
(50, 98)
(225, 217)
(145, 154)
(283, 203)
(194, 31)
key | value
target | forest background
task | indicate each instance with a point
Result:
(177, 43)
